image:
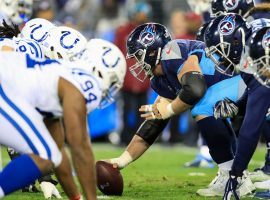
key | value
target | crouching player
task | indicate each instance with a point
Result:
(228, 42)
(69, 90)
(185, 79)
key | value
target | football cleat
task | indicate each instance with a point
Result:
(31, 188)
(200, 161)
(264, 185)
(217, 185)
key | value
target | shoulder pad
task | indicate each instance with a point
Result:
(171, 51)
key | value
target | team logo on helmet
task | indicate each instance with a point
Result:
(147, 36)
(266, 40)
(227, 25)
(230, 4)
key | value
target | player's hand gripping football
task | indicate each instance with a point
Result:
(160, 110)
(225, 109)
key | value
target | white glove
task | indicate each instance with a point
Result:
(161, 110)
(225, 109)
(49, 190)
(268, 113)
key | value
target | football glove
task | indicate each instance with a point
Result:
(49, 190)
(268, 114)
(231, 187)
(225, 109)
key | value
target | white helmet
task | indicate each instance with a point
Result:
(63, 42)
(37, 29)
(18, 11)
(109, 66)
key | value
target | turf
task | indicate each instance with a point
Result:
(159, 174)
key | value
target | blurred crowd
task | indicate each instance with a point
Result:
(113, 20)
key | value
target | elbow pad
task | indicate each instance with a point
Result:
(193, 88)
(150, 130)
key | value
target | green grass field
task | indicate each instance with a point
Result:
(159, 174)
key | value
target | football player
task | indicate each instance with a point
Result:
(185, 79)
(225, 39)
(258, 16)
(90, 84)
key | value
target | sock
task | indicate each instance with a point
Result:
(226, 166)
(2, 194)
(218, 139)
(19, 173)
(204, 151)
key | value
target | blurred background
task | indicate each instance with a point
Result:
(113, 20)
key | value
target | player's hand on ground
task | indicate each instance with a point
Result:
(225, 109)
(49, 190)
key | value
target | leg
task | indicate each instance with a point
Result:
(27, 135)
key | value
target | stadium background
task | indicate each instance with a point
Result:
(105, 19)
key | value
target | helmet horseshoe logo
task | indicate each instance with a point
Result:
(227, 25)
(40, 39)
(66, 33)
(104, 61)
(147, 36)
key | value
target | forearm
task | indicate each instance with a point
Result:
(83, 160)
(146, 135)
(137, 147)
(179, 106)
(65, 178)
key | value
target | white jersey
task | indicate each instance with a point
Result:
(37, 81)
(22, 45)
(255, 25)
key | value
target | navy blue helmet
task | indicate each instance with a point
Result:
(144, 44)
(240, 7)
(201, 31)
(258, 55)
(225, 39)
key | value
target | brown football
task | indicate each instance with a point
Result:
(109, 179)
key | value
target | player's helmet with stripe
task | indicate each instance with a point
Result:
(63, 42)
(225, 39)
(258, 56)
(108, 64)
(201, 32)
(37, 29)
(144, 44)
(240, 7)
(18, 11)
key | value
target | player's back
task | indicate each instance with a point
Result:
(37, 81)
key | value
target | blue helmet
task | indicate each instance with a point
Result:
(258, 55)
(145, 44)
(225, 39)
(240, 7)
(201, 31)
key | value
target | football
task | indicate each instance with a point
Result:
(109, 179)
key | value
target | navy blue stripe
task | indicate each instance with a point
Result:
(27, 120)
(20, 130)
(34, 47)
